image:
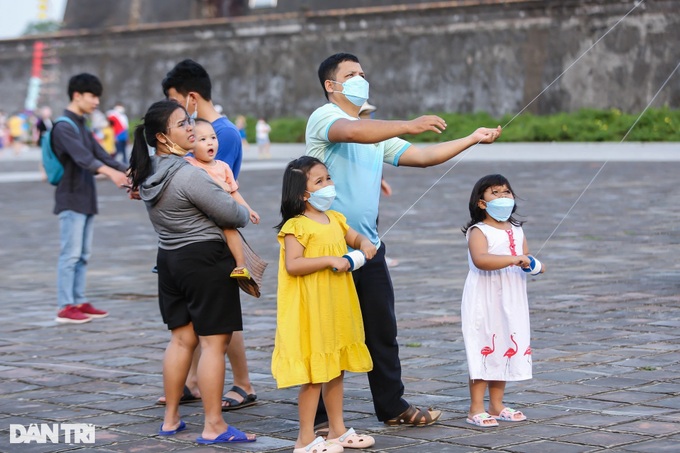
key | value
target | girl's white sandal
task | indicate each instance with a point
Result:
(353, 440)
(319, 445)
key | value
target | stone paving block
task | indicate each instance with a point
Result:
(638, 410)
(667, 388)
(571, 389)
(654, 446)
(540, 430)
(271, 426)
(143, 445)
(69, 414)
(17, 386)
(34, 447)
(106, 436)
(628, 396)
(669, 402)
(434, 447)
(543, 446)
(591, 420)
(108, 420)
(537, 397)
(613, 381)
(488, 438)
(394, 440)
(118, 405)
(602, 439)
(648, 427)
(565, 376)
(581, 404)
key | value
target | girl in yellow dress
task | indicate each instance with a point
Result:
(319, 330)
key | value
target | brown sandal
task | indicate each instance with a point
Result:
(415, 417)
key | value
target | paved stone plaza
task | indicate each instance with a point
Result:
(605, 316)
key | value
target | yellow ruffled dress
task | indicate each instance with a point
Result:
(319, 330)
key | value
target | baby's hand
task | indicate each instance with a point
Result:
(339, 264)
(254, 217)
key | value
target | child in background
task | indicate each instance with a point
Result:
(262, 130)
(241, 126)
(205, 150)
(495, 308)
(320, 333)
(108, 140)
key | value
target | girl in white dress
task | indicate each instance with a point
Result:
(495, 309)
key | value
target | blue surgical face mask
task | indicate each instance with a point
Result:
(500, 208)
(192, 115)
(323, 198)
(355, 90)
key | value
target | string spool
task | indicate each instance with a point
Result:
(356, 259)
(535, 266)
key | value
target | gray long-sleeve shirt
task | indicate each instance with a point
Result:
(81, 156)
(186, 206)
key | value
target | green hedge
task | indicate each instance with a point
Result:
(587, 125)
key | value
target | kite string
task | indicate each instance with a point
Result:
(466, 152)
(606, 161)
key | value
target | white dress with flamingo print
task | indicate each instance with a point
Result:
(495, 312)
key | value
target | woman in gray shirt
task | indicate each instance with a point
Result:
(198, 301)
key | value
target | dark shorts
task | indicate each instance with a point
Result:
(194, 287)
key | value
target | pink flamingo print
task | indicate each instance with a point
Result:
(488, 350)
(510, 353)
(528, 353)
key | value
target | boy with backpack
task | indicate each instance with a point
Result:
(76, 196)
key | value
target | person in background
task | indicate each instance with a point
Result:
(188, 84)
(76, 197)
(3, 130)
(241, 126)
(108, 138)
(44, 123)
(120, 123)
(262, 130)
(15, 126)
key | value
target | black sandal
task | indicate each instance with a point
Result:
(248, 400)
(187, 397)
(415, 417)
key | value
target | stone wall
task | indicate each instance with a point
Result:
(436, 59)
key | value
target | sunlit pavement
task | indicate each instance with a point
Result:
(605, 316)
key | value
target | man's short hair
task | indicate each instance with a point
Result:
(329, 67)
(84, 83)
(186, 76)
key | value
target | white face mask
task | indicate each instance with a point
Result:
(355, 90)
(186, 107)
(323, 198)
(500, 208)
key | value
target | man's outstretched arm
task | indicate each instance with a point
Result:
(415, 156)
(375, 131)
